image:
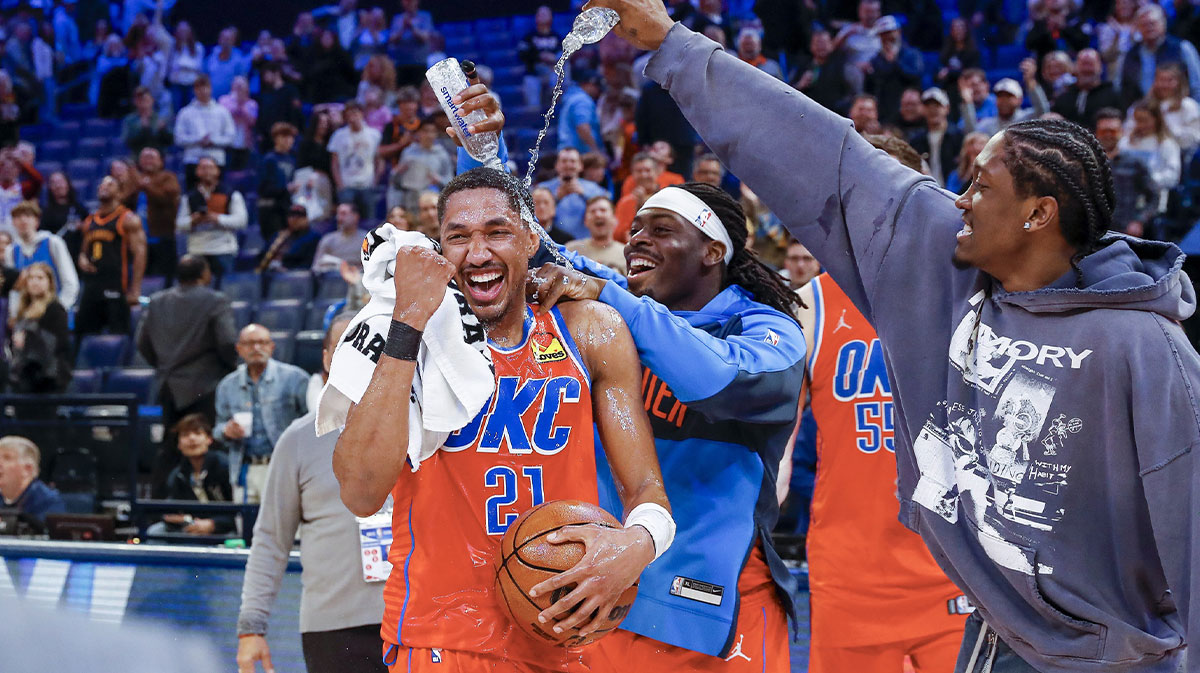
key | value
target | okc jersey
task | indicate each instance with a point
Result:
(532, 443)
(872, 581)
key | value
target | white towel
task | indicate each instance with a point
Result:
(454, 378)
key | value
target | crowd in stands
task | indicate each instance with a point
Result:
(169, 207)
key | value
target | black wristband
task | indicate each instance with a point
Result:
(403, 342)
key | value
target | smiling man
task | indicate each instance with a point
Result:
(1045, 393)
(557, 373)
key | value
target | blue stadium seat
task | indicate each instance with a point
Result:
(523, 25)
(117, 147)
(85, 382)
(242, 313)
(251, 241)
(307, 353)
(83, 168)
(501, 58)
(494, 25)
(140, 382)
(76, 111)
(291, 285)
(458, 29)
(316, 313)
(562, 22)
(498, 39)
(98, 127)
(36, 133)
(459, 43)
(68, 130)
(92, 148)
(102, 351)
(242, 287)
(511, 95)
(285, 345)
(512, 74)
(55, 150)
(48, 167)
(242, 181)
(281, 315)
(331, 286)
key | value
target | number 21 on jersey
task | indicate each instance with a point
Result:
(505, 478)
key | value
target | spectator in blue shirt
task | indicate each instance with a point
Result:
(226, 62)
(255, 404)
(579, 124)
(571, 192)
(20, 487)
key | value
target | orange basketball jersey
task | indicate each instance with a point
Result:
(872, 580)
(532, 443)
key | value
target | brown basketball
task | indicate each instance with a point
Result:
(527, 559)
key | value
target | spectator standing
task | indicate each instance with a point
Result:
(423, 166)
(1149, 139)
(28, 175)
(1059, 30)
(203, 129)
(330, 73)
(571, 192)
(1136, 194)
(186, 64)
(370, 38)
(41, 335)
(187, 334)
(401, 131)
(1180, 112)
(1089, 94)
(375, 114)
(1009, 96)
(20, 488)
(10, 190)
(272, 393)
(243, 110)
(314, 148)
(144, 127)
(895, 68)
(225, 62)
(1138, 65)
(539, 52)
(644, 174)
(749, 49)
(343, 244)
(200, 475)
(111, 73)
(579, 121)
(158, 198)
(1117, 35)
(600, 246)
(346, 23)
(939, 142)
(658, 118)
(210, 216)
(545, 209)
(354, 159)
(958, 54)
(409, 41)
(859, 42)
(294, 247)
(63, 211)
(112, 261)
(127, 182)
(823, 76)
(960, 178)
(275, 171)
(32, 245)
(278, 102)
(340, 610)
(379, 73)
(712, 14)
(10, 112)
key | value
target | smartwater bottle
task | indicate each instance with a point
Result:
(447, 79)
(589, 27)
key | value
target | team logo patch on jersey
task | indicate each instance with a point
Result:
(435, 655)
(686, 587)
(771, 338)
(547, 348)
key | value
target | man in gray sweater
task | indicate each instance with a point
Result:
(339, 611)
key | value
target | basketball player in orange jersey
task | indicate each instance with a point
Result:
(876, 594)
(557, 373)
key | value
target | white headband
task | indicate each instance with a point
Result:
(691, 208)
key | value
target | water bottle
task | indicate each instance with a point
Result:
(589, 27)
(447, 79)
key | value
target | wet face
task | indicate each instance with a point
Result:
(255, 346)
(15, 472)
(1007, 104)
(489, 246)
(194, 443)
(598, 218)
(37, 282)
(801, 265)
(58, 185)
(1108, 132)
(544, 207)
(568, 164)
(645, 174)
(665, 255)
(708, 172)
(993, 215)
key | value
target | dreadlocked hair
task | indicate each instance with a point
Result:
(745, 268)
(1054, 157)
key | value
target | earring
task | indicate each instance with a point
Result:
(1028, 226)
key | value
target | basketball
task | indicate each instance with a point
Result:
(527, 559)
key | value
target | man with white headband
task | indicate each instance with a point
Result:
(723, 361)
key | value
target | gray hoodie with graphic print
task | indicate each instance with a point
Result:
(1043, 439)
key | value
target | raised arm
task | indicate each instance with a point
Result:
(135, 238)
(372, 449)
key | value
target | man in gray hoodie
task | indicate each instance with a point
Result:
(1045, 393)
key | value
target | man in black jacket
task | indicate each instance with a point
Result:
(188, 335)
(201, 475)
(1089, 94)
